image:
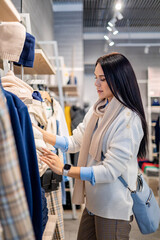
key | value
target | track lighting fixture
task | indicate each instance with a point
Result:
(106, 37)
(115, 31)
(109, 28)
(146, 49)
(118, 5)
(111, 43)
(119, 15)
(112, 22)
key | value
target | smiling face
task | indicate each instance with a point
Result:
(103, 89)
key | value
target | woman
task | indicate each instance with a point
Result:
(111, 136)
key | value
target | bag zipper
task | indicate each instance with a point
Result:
(149, 198)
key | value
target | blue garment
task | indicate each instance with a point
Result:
(86, 173)
(44, 210)
(28, 53)
(62, 143)
(23, 133)
(36, 95)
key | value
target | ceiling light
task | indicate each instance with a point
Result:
(115, 31)
(146, 50)
(109, 29)
(118, 6)
(112, 22)
(106, 37)
(119, 16)
(111, 43)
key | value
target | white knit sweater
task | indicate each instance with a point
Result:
(108, 198)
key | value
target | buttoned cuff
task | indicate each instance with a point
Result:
(87, 174)
(62, 143)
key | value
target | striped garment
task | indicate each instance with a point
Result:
(54, 204)
(14, 214)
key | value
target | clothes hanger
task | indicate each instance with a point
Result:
(45, 95)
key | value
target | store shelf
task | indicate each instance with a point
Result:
(68, 90)
(153, 124)
(8, 12)
(42, 66)
(155, 109)
(154, 154)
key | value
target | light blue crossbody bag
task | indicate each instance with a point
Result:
(145, 206)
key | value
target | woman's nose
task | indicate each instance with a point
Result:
(97, 82)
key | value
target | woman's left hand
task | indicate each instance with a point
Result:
(52, 160)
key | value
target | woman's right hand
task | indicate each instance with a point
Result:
(47, 136)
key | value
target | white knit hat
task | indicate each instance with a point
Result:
(12, 38)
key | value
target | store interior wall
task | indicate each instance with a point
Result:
(68, 32)
(41, 16)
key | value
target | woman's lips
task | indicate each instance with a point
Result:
(99, 91)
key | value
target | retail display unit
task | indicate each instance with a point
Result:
(153, 108)
(8, 12)
(153, 114)
(42, 66)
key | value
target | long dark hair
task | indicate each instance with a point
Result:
(122, 81)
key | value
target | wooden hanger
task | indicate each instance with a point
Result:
(45, 95)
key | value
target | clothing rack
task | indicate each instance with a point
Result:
(61, 99)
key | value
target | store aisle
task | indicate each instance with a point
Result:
(71, 228)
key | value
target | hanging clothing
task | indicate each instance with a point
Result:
(23, 133)
(54, 203)
(39, 142)
(14, 213)
(77, 116)
(15, 85)
(36, 95)
(44, 210)
(68, 118)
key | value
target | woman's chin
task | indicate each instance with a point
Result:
(100, 96)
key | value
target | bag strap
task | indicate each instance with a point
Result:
(125, 183)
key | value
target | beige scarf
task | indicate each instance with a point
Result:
(92, 142)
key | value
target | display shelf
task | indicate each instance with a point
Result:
(153, 124)
(68, 90)
(8, 12)
(155, 109)
(42, 66)
(154, 154)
